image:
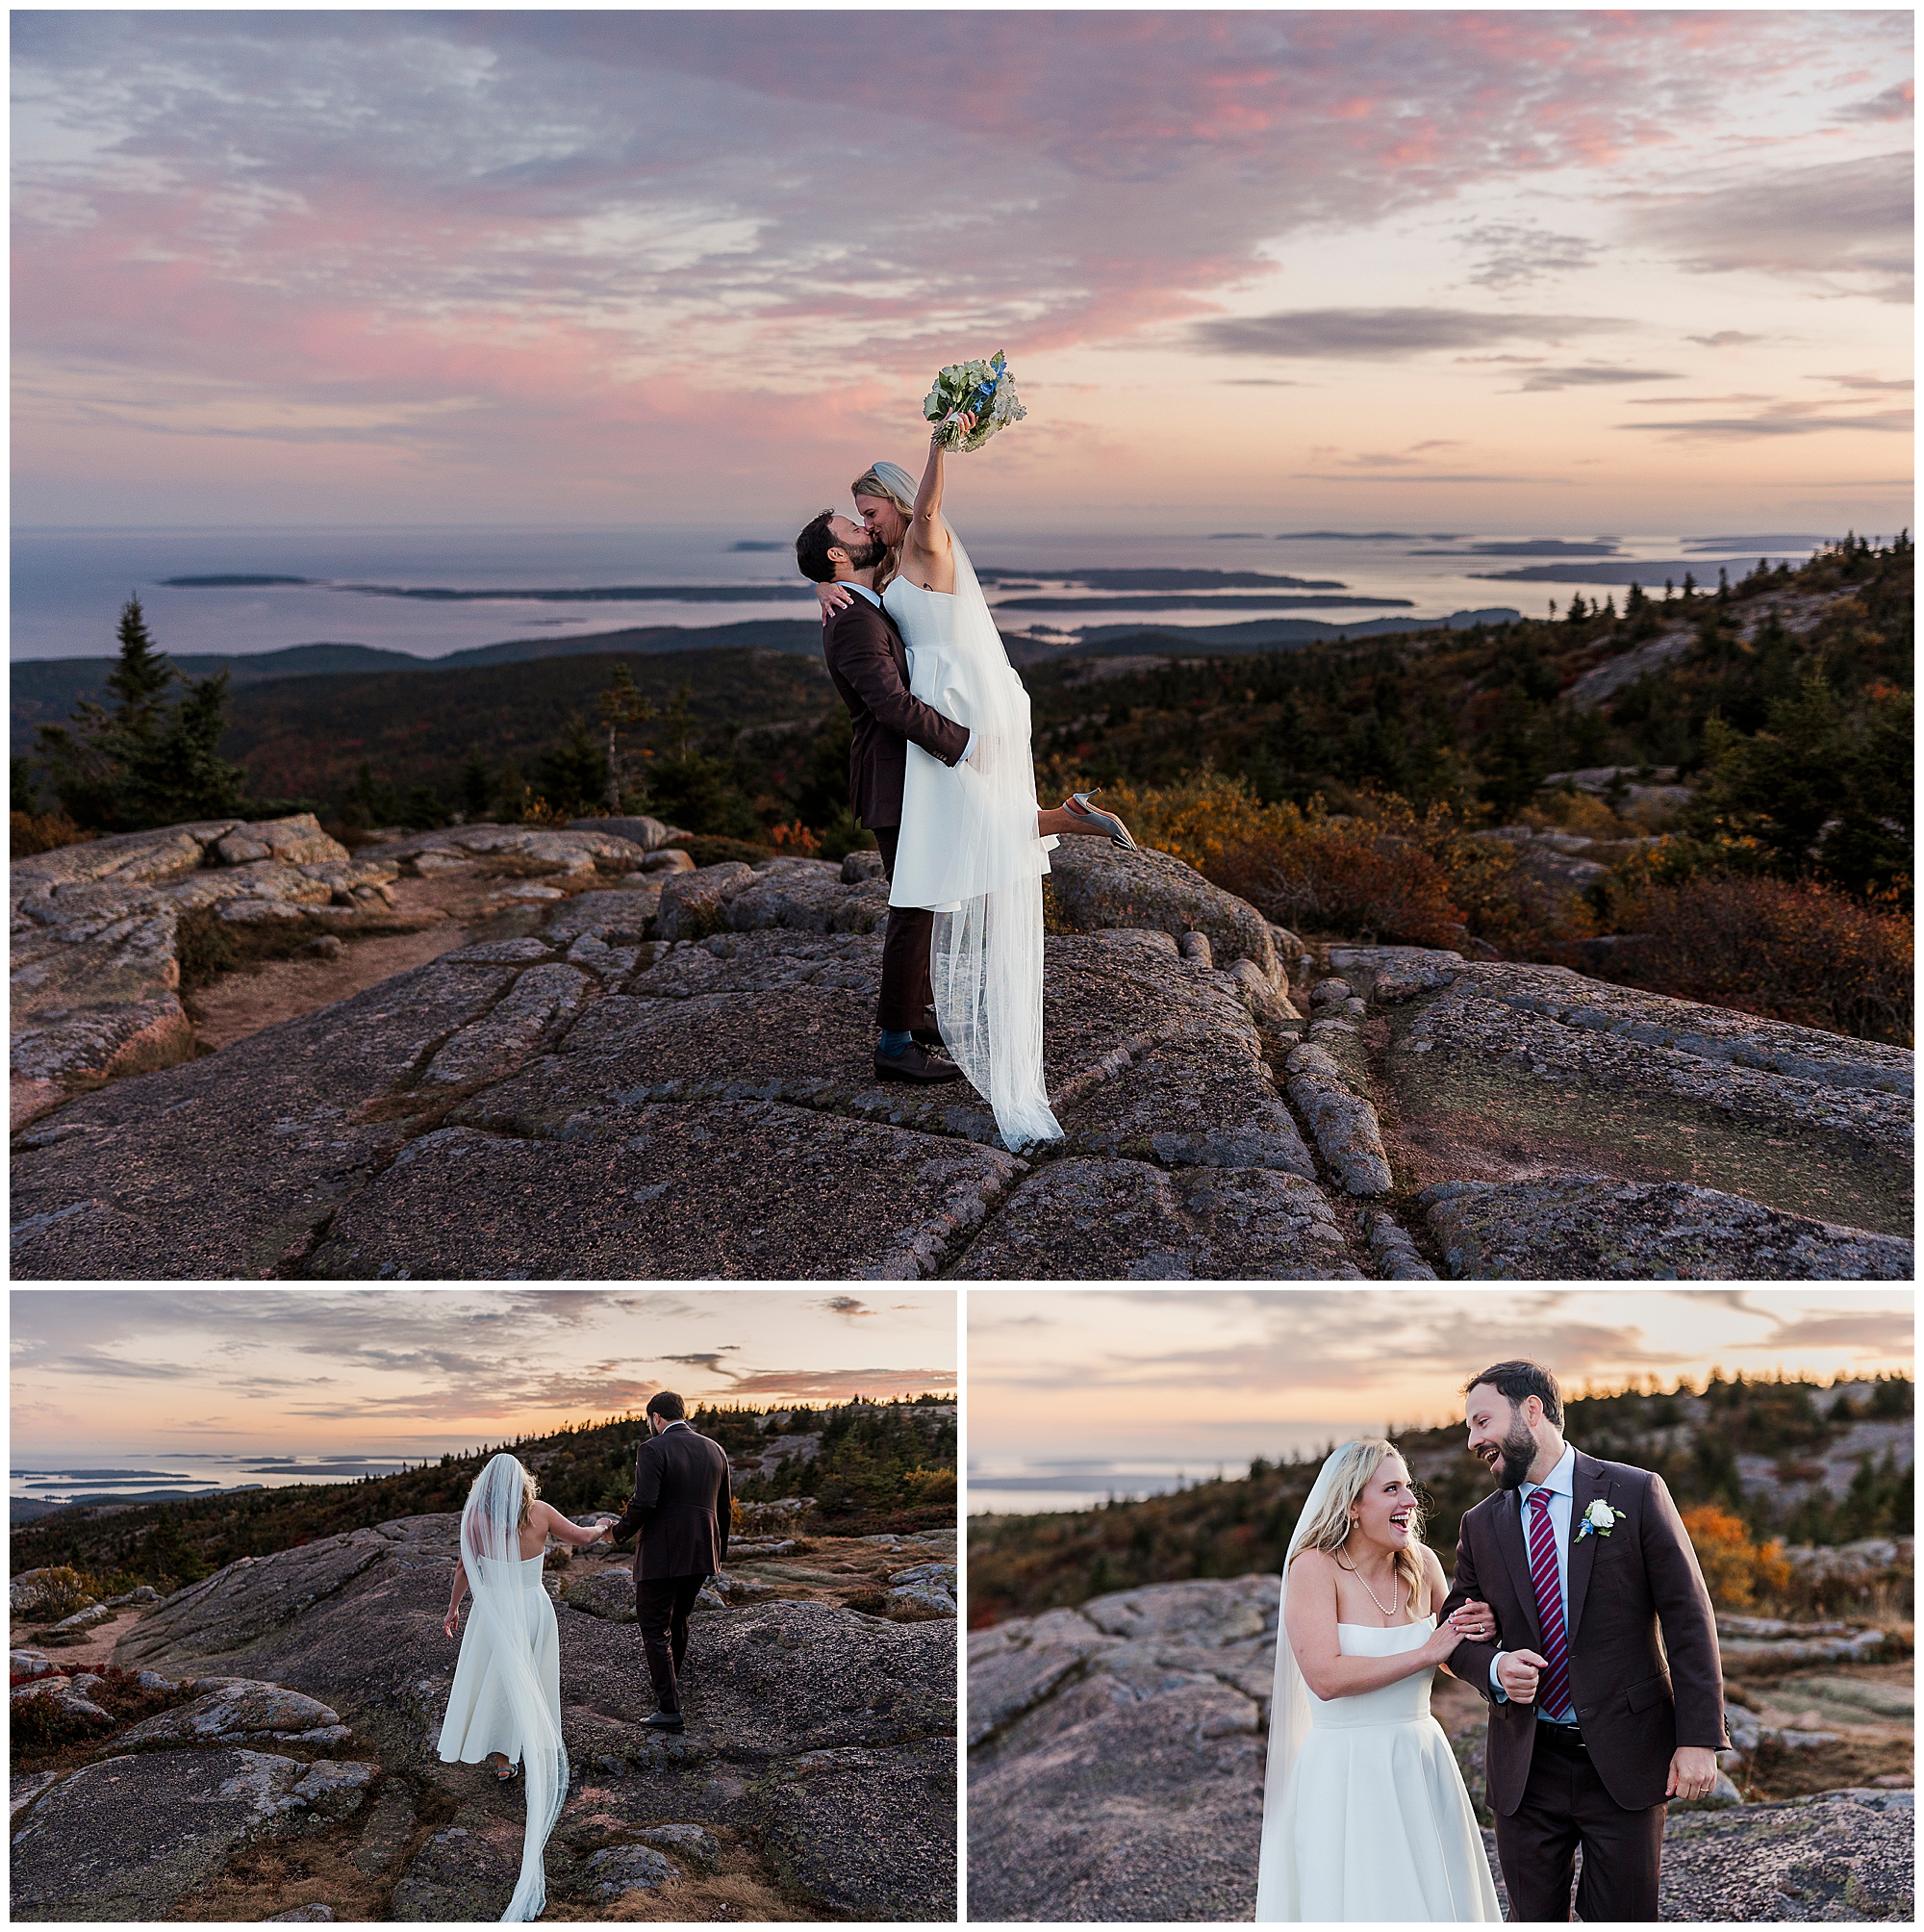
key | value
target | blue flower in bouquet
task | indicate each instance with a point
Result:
(983, 390)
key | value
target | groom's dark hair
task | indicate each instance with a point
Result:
(667, 1406)
(1517, 1382)
(812, 547)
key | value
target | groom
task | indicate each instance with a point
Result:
(681, 1507)
(869, 663)
(1594, 1585)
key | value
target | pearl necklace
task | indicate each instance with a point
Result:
(1387, 1609)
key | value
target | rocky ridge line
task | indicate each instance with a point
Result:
(670, 1077)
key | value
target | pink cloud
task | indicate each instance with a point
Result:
(603, 243)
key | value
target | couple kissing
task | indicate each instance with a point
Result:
(941, 771)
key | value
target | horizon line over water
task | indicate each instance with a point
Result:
(164, 1477)
(69, 582)
(1023, 1484)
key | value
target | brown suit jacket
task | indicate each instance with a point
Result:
(680, 1506)
(1623, 1588)
(869, 663)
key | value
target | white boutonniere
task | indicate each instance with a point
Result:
(1599, 1520)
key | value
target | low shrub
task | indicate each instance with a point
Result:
(39, 1733)
(705, 851)
(924, 1487)
(64, 1590)
(208, 946)
(1789, 949)
(1737, 1572)
(29, 832)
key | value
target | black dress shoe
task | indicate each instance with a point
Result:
(665, 1721)
(926, 1037)
(915, 1064)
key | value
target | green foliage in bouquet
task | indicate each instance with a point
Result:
(983, 390)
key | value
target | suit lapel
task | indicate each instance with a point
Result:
(1586, 1486)
(1516, 1559)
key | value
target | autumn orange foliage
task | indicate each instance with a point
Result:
(1737, 1572)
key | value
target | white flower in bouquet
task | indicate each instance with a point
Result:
(983, 390)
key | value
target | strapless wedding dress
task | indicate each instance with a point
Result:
(931, 868)
(1376, 1824)
(480, 1709)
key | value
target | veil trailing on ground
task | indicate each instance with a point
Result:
(490, 1553)
(985, 960)
(1288, 1713)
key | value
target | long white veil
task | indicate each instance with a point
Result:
(490, 1553)
(986, 954)
(1288, 1722)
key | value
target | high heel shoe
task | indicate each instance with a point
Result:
(509, 1775)
(1119, 833)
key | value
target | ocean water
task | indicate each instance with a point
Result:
(73, 1478)
(1024, 1483)
(68, 586)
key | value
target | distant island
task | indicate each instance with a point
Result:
(1203, 600)
(1529, 547)
(228, 583)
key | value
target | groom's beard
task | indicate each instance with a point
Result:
(1519, 1452)
(873, 554)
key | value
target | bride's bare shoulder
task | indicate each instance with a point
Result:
(1432, 1575)
(1313, 1565)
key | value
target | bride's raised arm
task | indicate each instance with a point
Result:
(930, 533)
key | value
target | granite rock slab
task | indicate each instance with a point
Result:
(1094, 885)
(730, 1190)
(136, 1836)
(822, 1738)
(1125, 1220)
(226, 1166)
(1582, 1229)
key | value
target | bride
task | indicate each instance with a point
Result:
(1364, 1812)
(505, 1702)
(973, 845)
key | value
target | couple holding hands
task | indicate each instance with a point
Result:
(504, 1706)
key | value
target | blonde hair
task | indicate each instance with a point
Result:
(1356, 1465)
(530, 1489)
(869, 484)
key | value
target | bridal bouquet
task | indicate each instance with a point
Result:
(983, 390)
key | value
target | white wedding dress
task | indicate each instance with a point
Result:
(506, 1694)
(482, 1709)
(969, 851)
(1374, 1823)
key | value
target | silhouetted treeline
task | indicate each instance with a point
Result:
(1021, 1564)
(888, 1466)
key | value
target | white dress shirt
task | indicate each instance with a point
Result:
(1561, 1483)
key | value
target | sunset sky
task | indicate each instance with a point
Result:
(413, 1372)
(1542, 272)
(1153, 1378)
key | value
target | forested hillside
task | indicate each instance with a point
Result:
(1750, 842)
(878, 1466)
(1708, 1446)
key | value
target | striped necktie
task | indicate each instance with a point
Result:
(1553, 1692)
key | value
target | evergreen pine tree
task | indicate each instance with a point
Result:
(621, 707)
(176, 773)
(139, 680)
(477, 785)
